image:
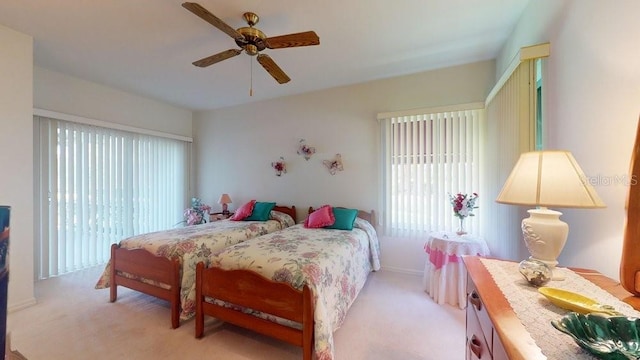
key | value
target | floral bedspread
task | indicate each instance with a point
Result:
(192, 244)
(334, 263)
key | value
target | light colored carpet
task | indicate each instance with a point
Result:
(392, 318)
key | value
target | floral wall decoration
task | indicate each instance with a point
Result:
(334, 165)
(305, 150)
(279, 166)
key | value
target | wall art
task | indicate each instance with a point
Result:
(305, 150)
(279, 166)
(334, 165)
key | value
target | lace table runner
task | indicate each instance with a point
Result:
(536, 312)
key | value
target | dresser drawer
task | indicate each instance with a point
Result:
(477, 343)
(475, 304)
(482, 340)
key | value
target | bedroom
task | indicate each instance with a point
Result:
(592, 111)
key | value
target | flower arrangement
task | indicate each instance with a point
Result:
(279, 166)
(305, 150)
(463, 204)
(196, 213)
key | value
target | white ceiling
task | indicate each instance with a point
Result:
(146, 47)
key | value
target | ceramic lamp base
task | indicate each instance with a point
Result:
(545, 236)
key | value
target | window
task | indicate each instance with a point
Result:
(426, 157)
(538, 101)
(98, 186)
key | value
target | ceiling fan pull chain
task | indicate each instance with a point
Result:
(251, 87)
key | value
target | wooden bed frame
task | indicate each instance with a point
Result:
(248, 289)
(145, 265)
(251, 290)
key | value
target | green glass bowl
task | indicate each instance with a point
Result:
(607, 337)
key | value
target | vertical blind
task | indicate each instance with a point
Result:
(100, 185)
(511, 131)
(426, 158)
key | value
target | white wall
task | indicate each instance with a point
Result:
(70, 95)
(591, 108)
(235, 146)
(16, 147)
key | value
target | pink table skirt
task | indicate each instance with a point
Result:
(445, 276)
(438, 258)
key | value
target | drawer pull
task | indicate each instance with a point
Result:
(474, 299)
(475, 346)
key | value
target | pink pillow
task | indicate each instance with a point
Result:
(244, 211)
(322, 217)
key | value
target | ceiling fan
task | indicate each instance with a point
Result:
(251, 40)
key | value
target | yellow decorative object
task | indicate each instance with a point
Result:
(575, 302)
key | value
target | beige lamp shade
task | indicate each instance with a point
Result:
(224, 199)
(549, 179)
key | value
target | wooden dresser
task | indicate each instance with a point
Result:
(493, 329)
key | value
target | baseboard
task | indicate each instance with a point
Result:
(402, 270)
(22, 305)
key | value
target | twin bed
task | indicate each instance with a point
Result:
(163, 263)
(294, 284)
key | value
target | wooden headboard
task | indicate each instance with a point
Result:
(291, 211)
(630, 261)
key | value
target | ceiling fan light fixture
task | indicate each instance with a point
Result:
(251, 49)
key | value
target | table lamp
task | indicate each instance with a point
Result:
(224, 200)
(547, 179)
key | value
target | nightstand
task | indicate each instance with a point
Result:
(219, 216)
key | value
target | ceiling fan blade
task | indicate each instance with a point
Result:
(212, 19)
(210, 60)
(293, 40)
(273, 69)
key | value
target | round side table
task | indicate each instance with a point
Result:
(445, 277)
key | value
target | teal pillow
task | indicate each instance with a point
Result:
(344, 219)
(261, 211)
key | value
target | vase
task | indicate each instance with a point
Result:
(461, 230)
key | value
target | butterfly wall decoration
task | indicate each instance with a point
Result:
(334, 165)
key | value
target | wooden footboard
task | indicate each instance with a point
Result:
(249, 289)
(143, 264)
